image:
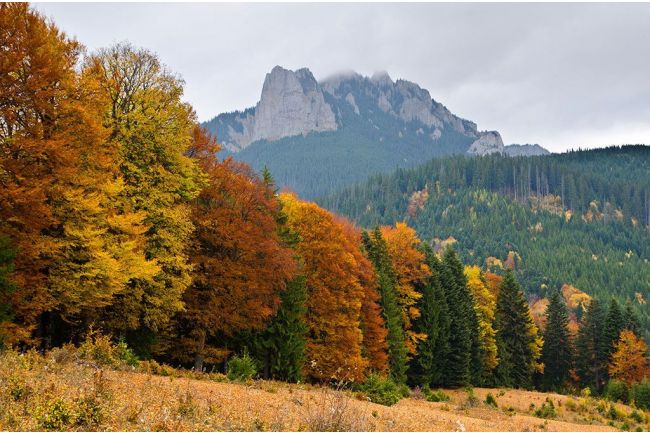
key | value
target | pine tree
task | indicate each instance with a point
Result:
(591, 354)
(517, 341)
(427, 367)
(556, 351)
(377, 251)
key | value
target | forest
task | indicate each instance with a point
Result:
(578, 218)
(117, 220)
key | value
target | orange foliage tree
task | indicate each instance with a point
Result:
(37, 99)
(240, 263)
(629, 362)
(410, 268)
(336, 293)
(375, 347)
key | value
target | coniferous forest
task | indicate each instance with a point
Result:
(118, 220)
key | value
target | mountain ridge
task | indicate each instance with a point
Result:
(315, 136)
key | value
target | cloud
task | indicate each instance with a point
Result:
(562, 75)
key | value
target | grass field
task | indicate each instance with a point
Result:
(62, 392)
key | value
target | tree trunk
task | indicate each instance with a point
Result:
(198, 360)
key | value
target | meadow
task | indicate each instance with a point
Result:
(92, 388)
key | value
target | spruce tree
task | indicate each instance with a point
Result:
(515, 341)
(285, 338)
(377, 251)
(631, 319)
(614, 324)
(427, 366)
(591, 354)
(464, 344)
(556, 352)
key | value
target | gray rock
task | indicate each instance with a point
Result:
(488, 142)
(525, 150)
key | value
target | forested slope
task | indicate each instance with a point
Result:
(579, 218)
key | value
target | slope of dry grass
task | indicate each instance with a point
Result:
(60, 392)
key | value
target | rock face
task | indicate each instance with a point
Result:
(488, 142)
(525, 150)
(293, 103)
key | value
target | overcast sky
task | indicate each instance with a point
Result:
(561, 75)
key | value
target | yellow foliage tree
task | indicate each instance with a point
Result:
(629, 362)
(410, 268)
(485, 303)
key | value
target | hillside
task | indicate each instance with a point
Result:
(579, 218)
(58, 393)
(316, 136)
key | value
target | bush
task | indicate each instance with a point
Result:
(100, 349)
(547, 410)
(617, 391)
(472, 399)
(490, 400)
(641, 394)
(634, 415)
(241, 368)
(435, 396)
(55, 415)
(383, 391)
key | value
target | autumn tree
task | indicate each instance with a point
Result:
(629, 362)
(240, 263)
(410, 269)
(374, 346)
(557, 354)
(517, 338)
(485, 307)
(377, 251)
(152, 129)
(100, 246)
(335, 340)
(37, 90)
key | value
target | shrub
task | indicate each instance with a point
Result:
(617, 391)
(472, 399)
(547, 410)
(55, 415)
(634, 415)
(641, 394)
(383, 391)
(490, 400)
(100, 349)
(435, 396)
(241, 368)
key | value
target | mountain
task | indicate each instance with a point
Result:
(317, 136)
(580, 218)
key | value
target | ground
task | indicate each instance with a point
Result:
(60, 392)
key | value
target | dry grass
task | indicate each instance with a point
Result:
(62, 393)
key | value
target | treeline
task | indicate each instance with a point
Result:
(117, 216)
(613, 180)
